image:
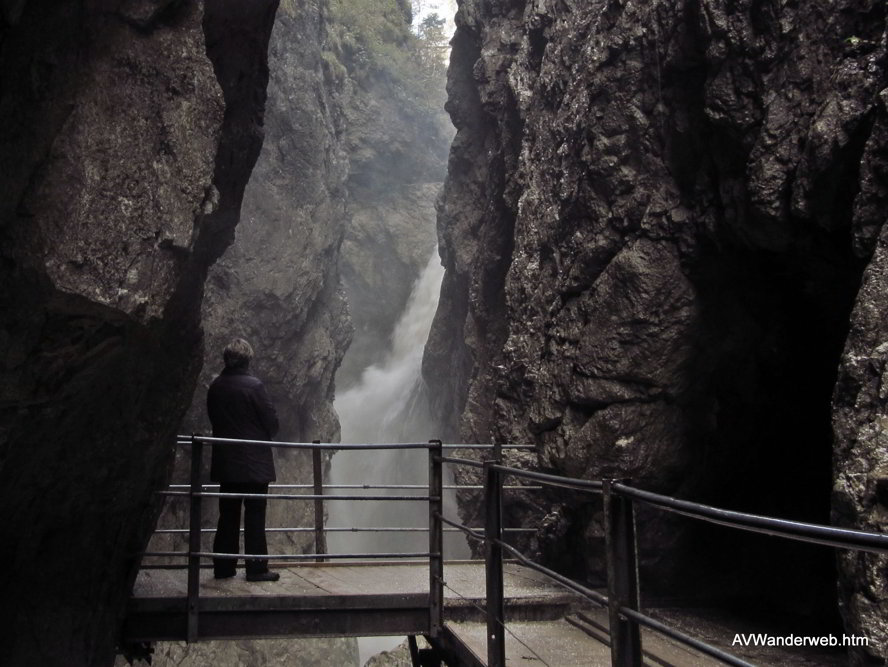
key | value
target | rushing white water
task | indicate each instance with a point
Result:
(389, 405)
(374, 409)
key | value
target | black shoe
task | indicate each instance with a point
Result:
(219, 575)
(263, 576)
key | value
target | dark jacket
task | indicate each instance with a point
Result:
(240, 408)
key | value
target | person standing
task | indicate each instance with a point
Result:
(240, 408)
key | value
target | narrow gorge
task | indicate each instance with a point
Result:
(661, 226)
(655, 226)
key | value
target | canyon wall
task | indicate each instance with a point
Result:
(277, 285)
(654, 227)
(397, 136)
(128, 132)
(346, 181)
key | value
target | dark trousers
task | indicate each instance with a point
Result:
(228, 530)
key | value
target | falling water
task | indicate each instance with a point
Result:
(374, 409)
(389, 405)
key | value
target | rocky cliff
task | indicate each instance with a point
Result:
(349, 153)
(128, 132)
(396, 135)
(277, 284)
(278, 287)
(654, 227)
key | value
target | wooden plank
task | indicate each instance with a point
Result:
(464, 579)
(335, 599)
(282, 603)
(143, 626)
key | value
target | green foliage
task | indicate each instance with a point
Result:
(374, 41)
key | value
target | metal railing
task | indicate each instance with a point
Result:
(621, 544)
(197, 491)
(621, 551)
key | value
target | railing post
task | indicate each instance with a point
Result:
(194, 539)
(318, 475)
(436, 538)
(493, 552)
(622, 576)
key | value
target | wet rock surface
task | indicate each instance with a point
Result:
(343, 158)
(118, 127)
(860, 491)
(654, 226)
(278, 287)
(397, 161)
(321, 652)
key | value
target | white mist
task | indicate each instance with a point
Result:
(388, 405)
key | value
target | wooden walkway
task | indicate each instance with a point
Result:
(329, 599)
(547, 625)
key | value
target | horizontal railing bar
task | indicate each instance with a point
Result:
(478, 487)
(355, 486)
(679, 636)
(340, 529)
(462, 462)
(186, 440)
(793, 530)
(456, 446)
(210, 554)
(471, 532)
(299, 496)
(552, 480)
(221, 556)
(588, 593)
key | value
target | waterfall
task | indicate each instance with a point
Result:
(374, 409)
(389, 404)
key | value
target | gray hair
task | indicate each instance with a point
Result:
(237, 354)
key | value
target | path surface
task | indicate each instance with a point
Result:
(546, 624)
(464, 583)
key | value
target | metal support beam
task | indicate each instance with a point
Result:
(496, 631)
(436, 538)
(194, 539)
(414, 651)
(318, 477)
(622, 576)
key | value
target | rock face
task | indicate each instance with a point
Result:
(860, 492)
(652, 250)
(321, 652)
(398, 158)
(128, 131)
(342, 157)
(278, 287)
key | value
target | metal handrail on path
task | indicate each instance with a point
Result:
(197, 491)
(196, 494)
(621, 544)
